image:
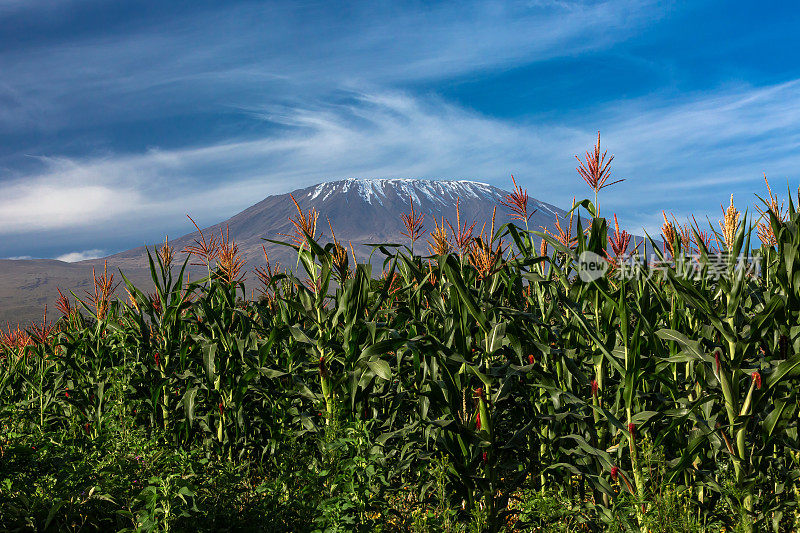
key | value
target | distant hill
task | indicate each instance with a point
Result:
(360, 211)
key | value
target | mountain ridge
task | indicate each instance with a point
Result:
(361, 211)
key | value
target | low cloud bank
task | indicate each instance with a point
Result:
(73, 257)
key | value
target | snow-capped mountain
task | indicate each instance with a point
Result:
(441, 194)
(361, 211)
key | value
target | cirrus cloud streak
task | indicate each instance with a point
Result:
(675, 156)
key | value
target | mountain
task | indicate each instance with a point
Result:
(360, 211)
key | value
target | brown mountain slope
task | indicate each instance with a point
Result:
(361, 211)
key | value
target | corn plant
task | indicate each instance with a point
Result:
(491, 355)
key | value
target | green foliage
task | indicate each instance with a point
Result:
(474, 391)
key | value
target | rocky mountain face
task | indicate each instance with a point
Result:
(360, 212)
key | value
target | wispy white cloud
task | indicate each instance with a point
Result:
(688, 156)
(223, 55)
(74, 257)
(51, 202)
(675, 156)
(290, 64)
(389, 135)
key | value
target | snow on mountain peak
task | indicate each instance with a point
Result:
(436, 191)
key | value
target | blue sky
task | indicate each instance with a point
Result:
(118, 118)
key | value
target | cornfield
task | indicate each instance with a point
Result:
(464, 380)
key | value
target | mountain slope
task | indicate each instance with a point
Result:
(360, 211)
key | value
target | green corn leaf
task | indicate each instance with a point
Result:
(381, 369)
(189, 403)
(787, 369)
(209, 361)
